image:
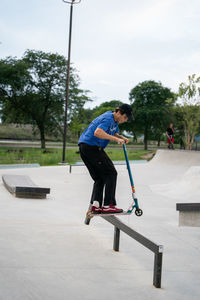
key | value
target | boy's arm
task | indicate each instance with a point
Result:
(101, 134)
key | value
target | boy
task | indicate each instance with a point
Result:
(91, 144)
(170, 136)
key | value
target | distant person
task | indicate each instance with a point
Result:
(170, 136)
(92, 143)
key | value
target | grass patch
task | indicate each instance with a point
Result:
(48, 157)
(53, 156)
(133, 154)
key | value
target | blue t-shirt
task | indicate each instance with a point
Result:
(107, 123)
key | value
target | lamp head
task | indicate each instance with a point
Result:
(72, 1)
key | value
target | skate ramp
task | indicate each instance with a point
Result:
(186, 188)
(176, 158)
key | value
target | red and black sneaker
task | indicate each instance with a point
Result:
(111, 210)
(96, 210)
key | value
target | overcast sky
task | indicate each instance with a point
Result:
(116, 44)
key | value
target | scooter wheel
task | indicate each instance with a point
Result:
(138, 212)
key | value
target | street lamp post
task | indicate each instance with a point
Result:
(68, 75)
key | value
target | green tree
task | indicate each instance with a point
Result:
(189, 94)
(152, 105)
(105, 106)
(32, 90)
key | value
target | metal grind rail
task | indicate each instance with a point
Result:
(157, 249)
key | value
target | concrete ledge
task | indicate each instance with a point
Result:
(22, 186)
(189, 214)
(188, 206)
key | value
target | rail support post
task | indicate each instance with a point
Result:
(157, 269)
(116, 239)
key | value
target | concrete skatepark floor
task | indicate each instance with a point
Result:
(48, 253)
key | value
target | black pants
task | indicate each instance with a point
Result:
(102, 172)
